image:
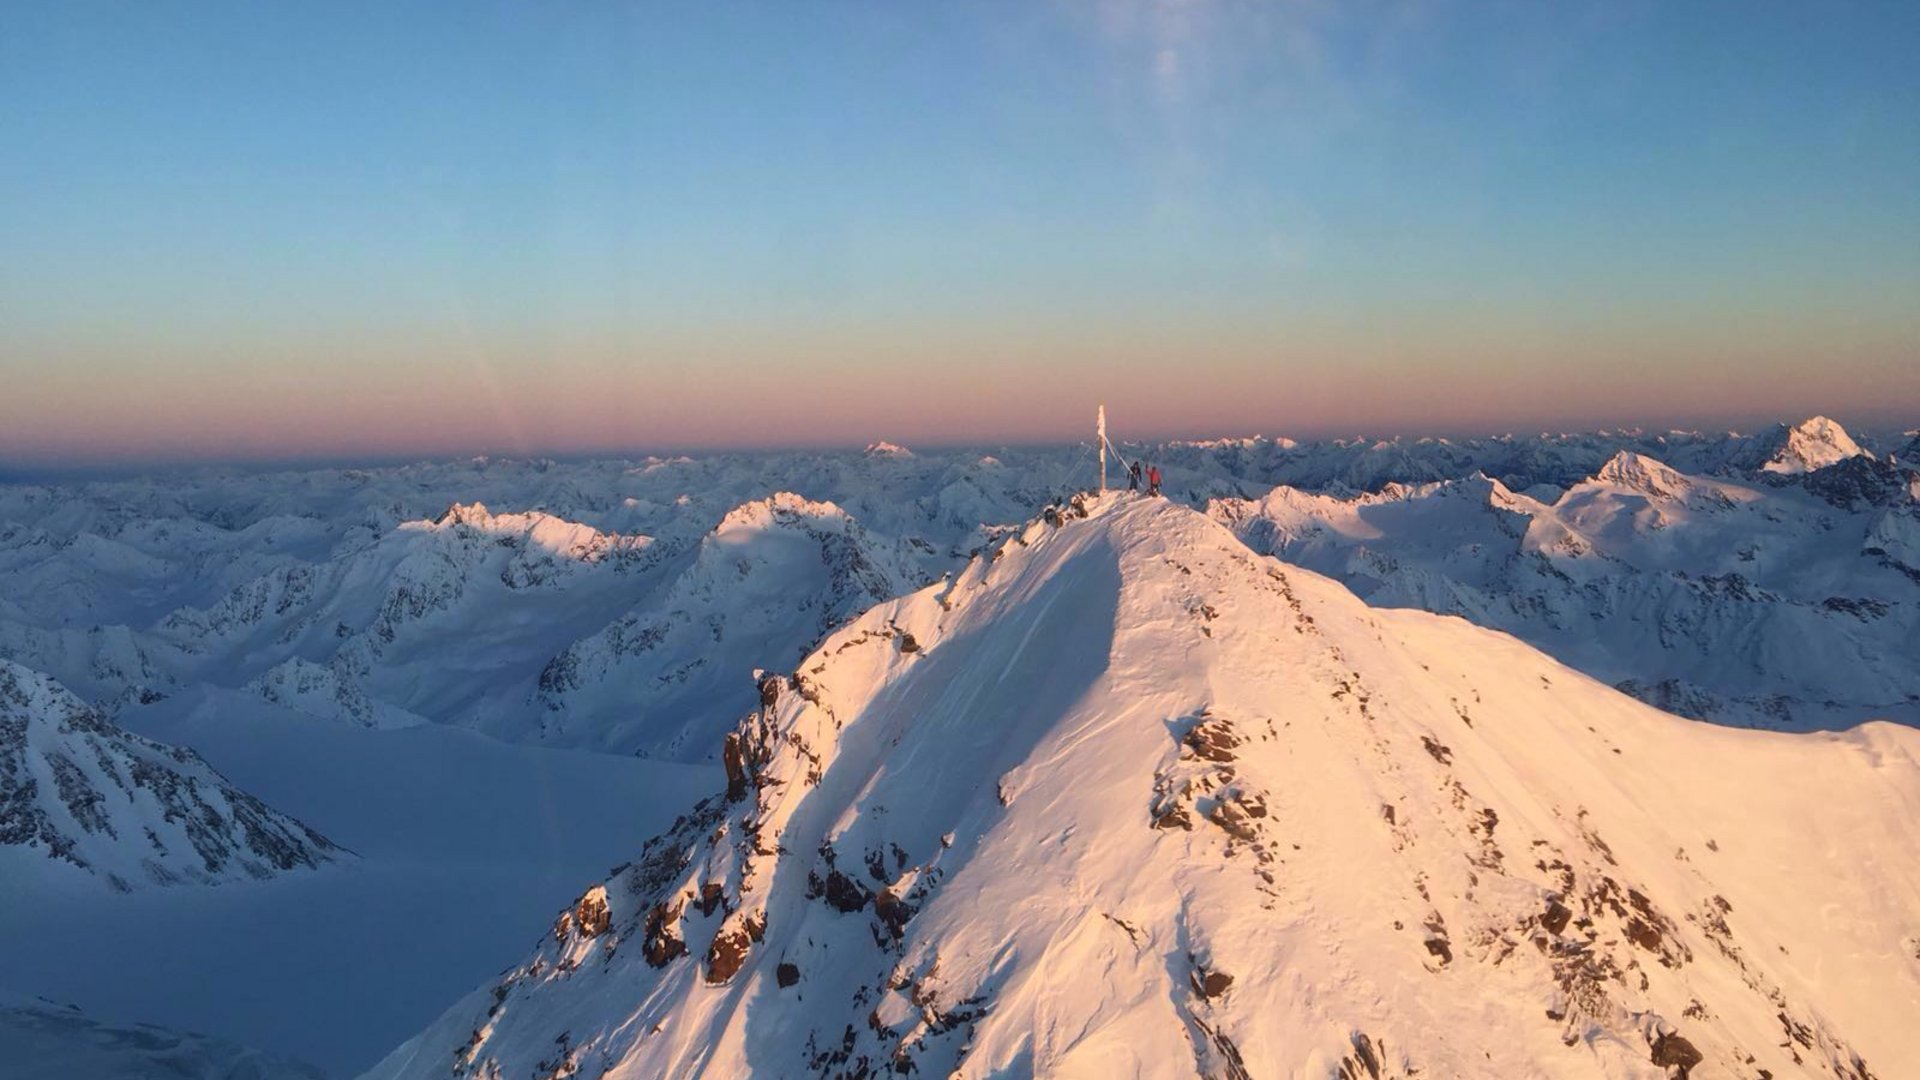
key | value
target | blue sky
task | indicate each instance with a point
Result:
(273, 230)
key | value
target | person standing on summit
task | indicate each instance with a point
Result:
(1133, 477)
(1153, 479)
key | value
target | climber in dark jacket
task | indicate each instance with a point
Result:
(1133, 477)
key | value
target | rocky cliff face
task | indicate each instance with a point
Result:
(132, 812)
(1125, 798)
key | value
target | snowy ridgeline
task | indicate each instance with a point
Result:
(401, 658)
(101, 801)
(1126, 799)
(1739, 600)
(1762, 580)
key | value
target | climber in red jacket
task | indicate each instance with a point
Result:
(1153, 479)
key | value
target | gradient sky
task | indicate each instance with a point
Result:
(278, 230)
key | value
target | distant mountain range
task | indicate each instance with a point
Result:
(615, 605)
(1008, 779)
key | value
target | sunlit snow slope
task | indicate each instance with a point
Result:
(1125, 799)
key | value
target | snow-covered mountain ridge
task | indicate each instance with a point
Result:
(764, 586)
(1810, 445)
(1125, 799)
(358, 595)
(1749, 601)
(78, 790)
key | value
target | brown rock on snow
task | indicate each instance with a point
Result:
(1212, 739)
(663, 940)
(729, 952)
(591, 914)
(730, 948)
(1672, 1052)
(893, 911)
(1233, 818)
(1210, 984)
(733, 756)
(844, 893)
(1556, 917)
(1173, 816)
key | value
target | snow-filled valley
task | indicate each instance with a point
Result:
(1032, 786)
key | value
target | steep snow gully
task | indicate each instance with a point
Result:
(1123, 798)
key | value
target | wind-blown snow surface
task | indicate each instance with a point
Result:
(1124, 799)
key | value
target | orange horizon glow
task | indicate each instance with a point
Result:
(835, 390)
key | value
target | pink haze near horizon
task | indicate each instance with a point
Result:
(366, 405)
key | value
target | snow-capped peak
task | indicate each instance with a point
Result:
(1243, 442)
(782, 508)
(763, 586)
(1643, 474)
(537, 530)
(1125, 798)
(884, 448)
(1811, 444)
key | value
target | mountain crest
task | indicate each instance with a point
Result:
(1124, 792)
(1643, 474)
(1812, 444)
(537, 531)
(131, 811)
(782, 508)
(733, 606)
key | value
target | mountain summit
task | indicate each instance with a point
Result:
(1640, 473)
(1811, 444)
(1125, 799)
